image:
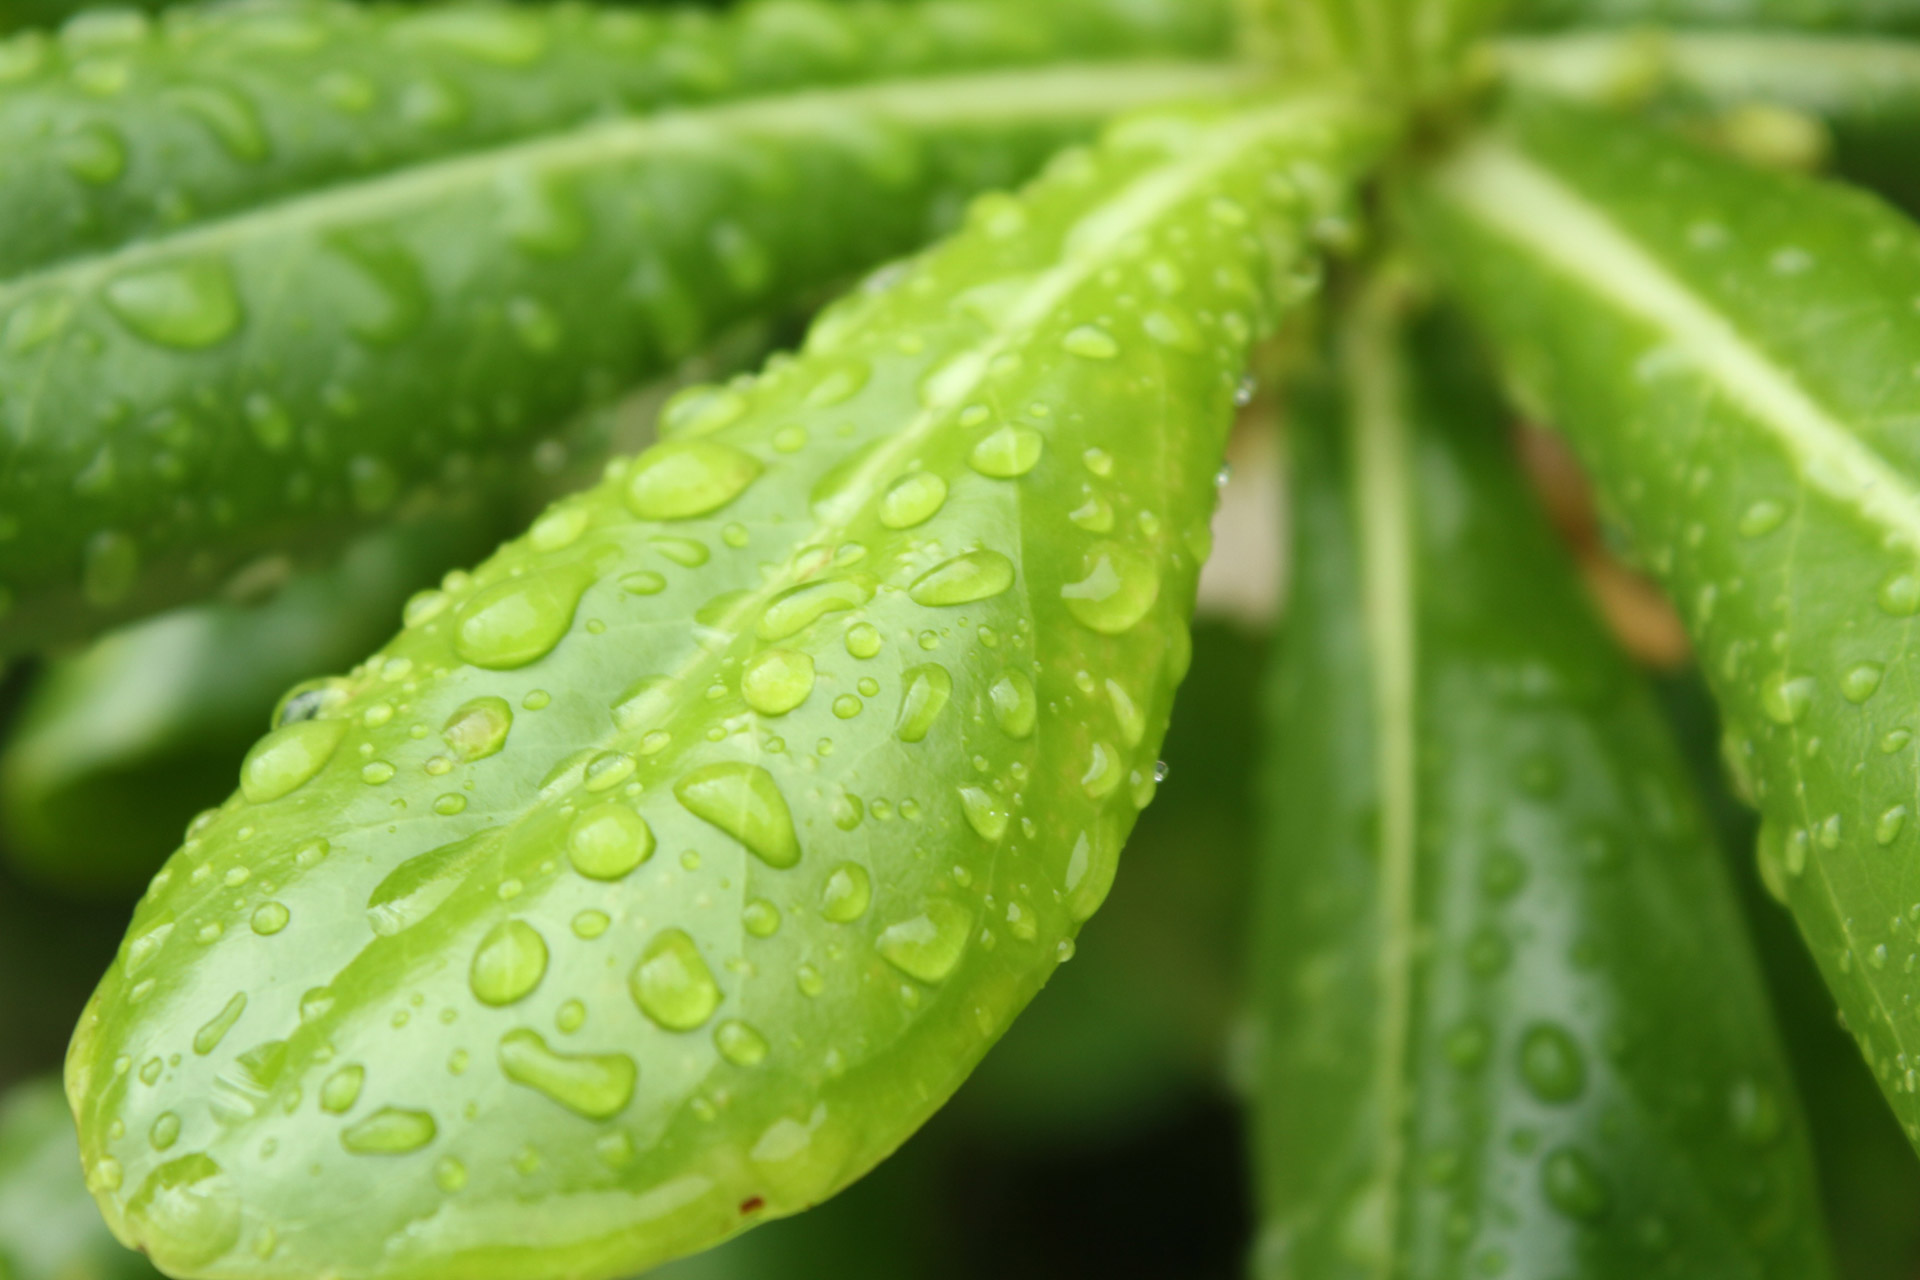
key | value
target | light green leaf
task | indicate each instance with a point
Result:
(1733, 352)
(1510, 1023)
(827, 921)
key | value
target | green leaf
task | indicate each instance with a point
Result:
(1732, 351)
(1510, 1020)
(49, 1228)
(824, 919)
(1801, 15)
(118, 747)
(1773, 95)
(304, 264)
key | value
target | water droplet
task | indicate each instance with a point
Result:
(450, 1175)
(797, 608)
(108, 569)
(1786, 699)
(740, 1044)
(1095, 515)
(591, 924)
(1551, 1063)
(229, 117)
(929, 946)
(848, 893)
(609, 841)
(189, 305)
(761, 918)
(777, 680)
(595, 1085)
(978, 575)
(390, 1131)
(416, 888)
(682, 479)
(165, 1131)
(395, 302)
(1891, 824)
(1128, 716)
(1573, 1185)
(209, 1036)
(1091, 342)
(503, 37)
(288, 758)
(270, 918)
(559, 528)
(1862, 682)
(508, 964)
(1015, 706)
(928, 690)
(913, 500)
(1008, 453)
(342, 1089)
(1754, 1110)
(1091, 868)
(672, 984)
(186, 1213)
(644, 583)
(1119, 588)
(744, 801)
(986, 814)
(518, 621)
(1900, 595)
(1105, 771)
(863, 640)
(479, 728)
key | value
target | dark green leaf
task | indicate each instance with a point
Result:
(1734, 353)
(779, 769)
(1511, 1024)
(1835, 15)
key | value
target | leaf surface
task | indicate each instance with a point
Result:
(669, 869)
(1733, 353)
(1510, 1018)
(259, 296)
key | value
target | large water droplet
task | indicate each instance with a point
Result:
(1786, 699)
(608, 841)
(1091, 342)
(479, 728)
(209, 1036)
(848, 892)
(777, 680)
(595, 1085)
(978, 575)
(929, 946)
(744, 801)
(189, 304)
(390, 1131)
(186, 1214)
(913, 500)
(342, 1089)
(1861, 682)
(682, 479)
(288, 758)
(517, 621)
(928, 690)
(413, 890)
(1091, 868)
(1552, 1064)
(1119, 588)
(509, 964)
(985, 812)
(672, 984)
(1008, 453)
(797, 608)
(740, 1044)
(1015, 706)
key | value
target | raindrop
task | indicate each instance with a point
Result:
(743, 801)
(595, 1085)
(672, 984)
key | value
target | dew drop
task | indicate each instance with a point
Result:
(978, 575)
(682, 479)
(288, 758)
(1573, 1185)
(186, 1213)
(1119, 588)
(672, 984)
(209, 1036)
(518, 621)
(798, 608)
(270, 918)
(1551, 1064)
(848, 893)
(863, 641)
(1091, 342)
(913, 500)
(595, 1085)
(777, 680)
(743, 801)
(508, 964)
(479, 728)
(1862, 682)
(1008, 453)
(390, 1131)
(929, 946)
(1786, 699)
(1892, 822)
(342, 1090)
(986, 814)
(189, 305)
(928, 690)
(230, 118)
(761, 918)
(1016, 708)
(1899, 595)
(740, 1044)
(609, 841)
(413, 890)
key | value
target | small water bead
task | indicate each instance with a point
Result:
(644, 583)
(591, 924)
(846, 706)
(977, 575)
(1899, 595)
(518, 621)
(270, 918)
(607, 770)
(597, 1086)
(509, 963)
(450, 1175)
(743, 801)
(570, 1017)
(985, 812)
(929, 946)
(1892, 822)
(928, 689)
(559, 528)
(776, 681)
(211, 1033)
(740, 1044)
(1016, 707)
(760, 918)
(376, 773)
(1008, 453)
(863, 641)
(390, 1131)
(1786, 699)
(913, 500)
(848, 893)
(609, 841)
(94, 154)
(1551, 1064)
(188, 1206)
(1105, 771)
(798, 608)
(682, 479)
(1119, 588)
(1090, 342)
(479, 728)
(288, 758)
(165, 1131)
(688, 553)
(1573, 1185)
(672, 984)
(342, 1090)
(1861, 682)
(188, 305)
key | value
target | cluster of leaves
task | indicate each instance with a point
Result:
(669, 869)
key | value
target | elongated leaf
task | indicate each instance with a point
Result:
(241, 316)
(672, 867)
(49, 1229)
(1512, 1023)
(118, 747)
(1863, 90)
(1733, 353)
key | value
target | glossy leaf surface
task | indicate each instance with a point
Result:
(668, 870)
(118, 747)
(243, 317)
(49, 1229)
(1732, 351)
(1511, 1024)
